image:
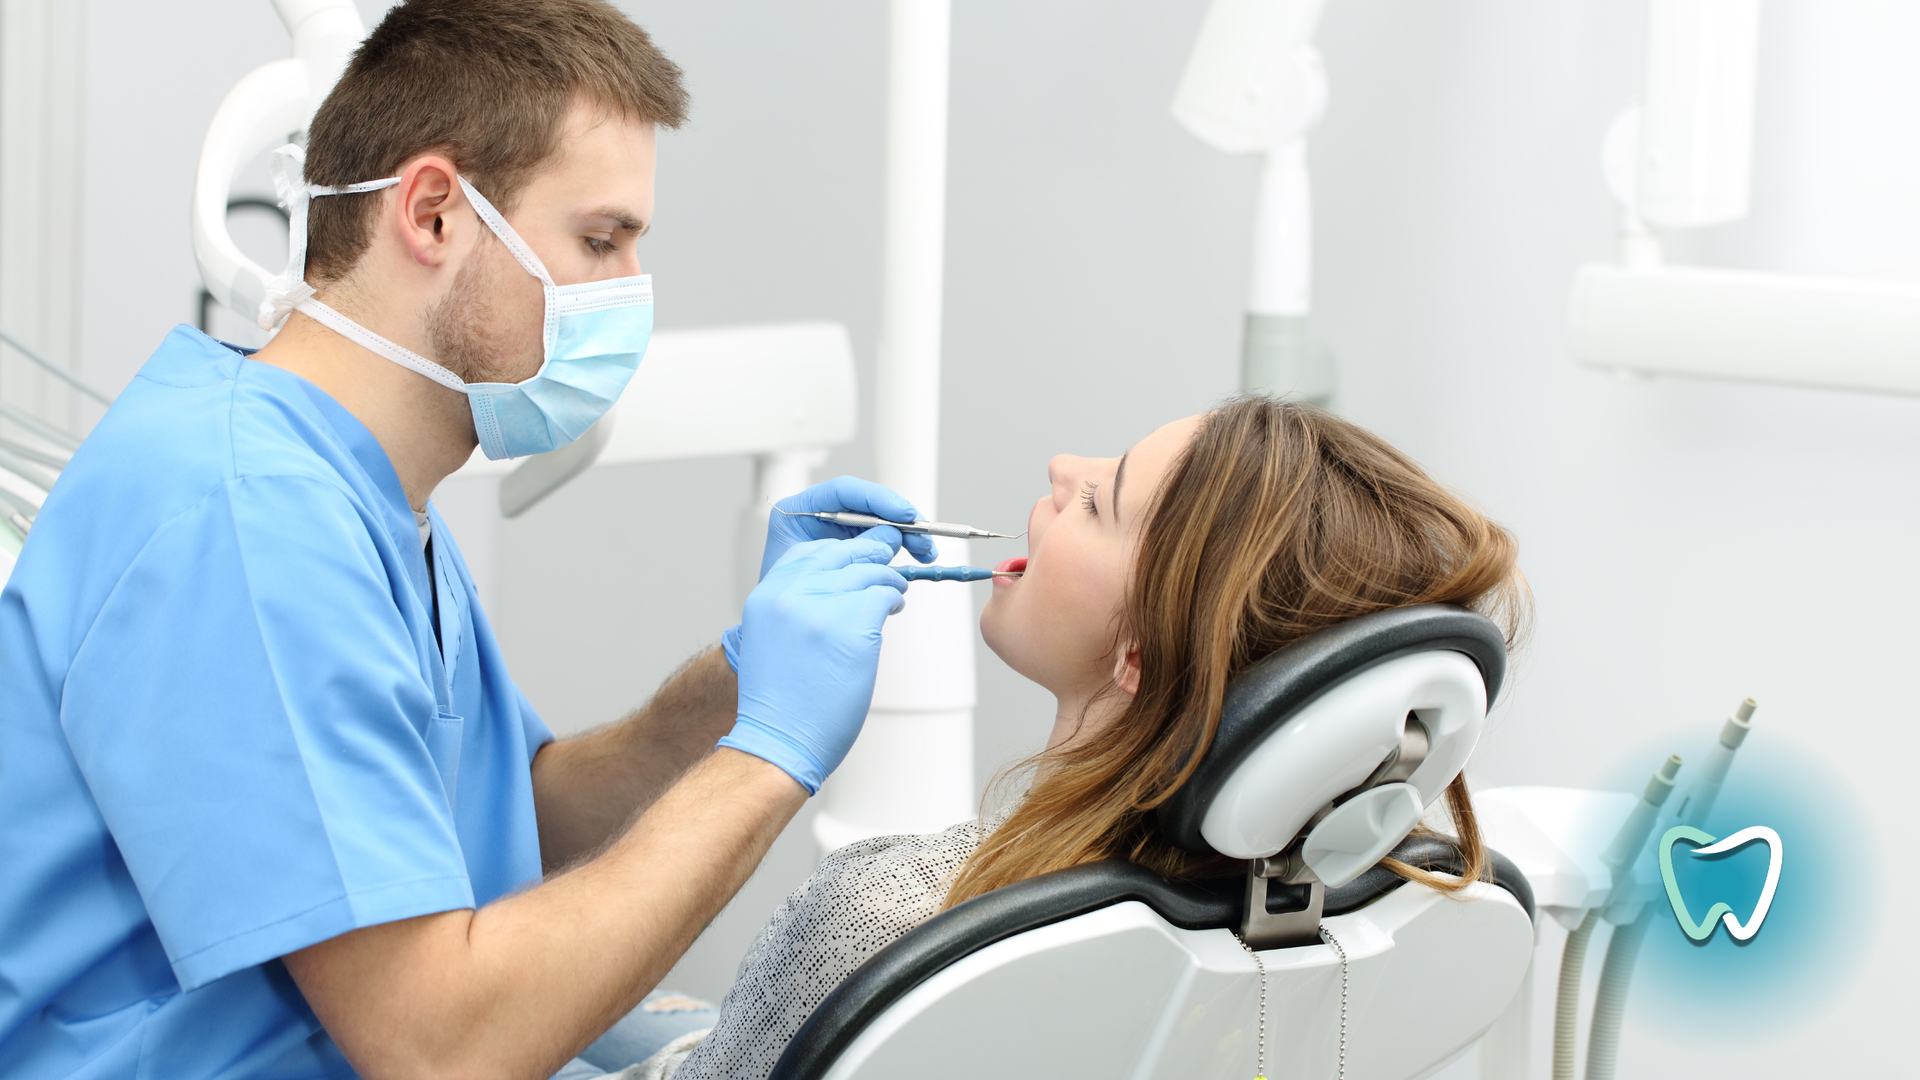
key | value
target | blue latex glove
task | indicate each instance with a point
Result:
(730, 644)
(809, 649)
(840, 493)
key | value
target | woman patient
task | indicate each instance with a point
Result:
(1152, 579)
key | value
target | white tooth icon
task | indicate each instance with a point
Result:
(1740, 931)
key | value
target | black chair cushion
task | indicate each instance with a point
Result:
(1275, 688)
(943, 940)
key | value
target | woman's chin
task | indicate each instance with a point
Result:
(1013, 648)
(993, 632)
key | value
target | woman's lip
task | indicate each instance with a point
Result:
(1015, 565)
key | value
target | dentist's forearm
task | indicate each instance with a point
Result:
(587, 789)
(519, 987)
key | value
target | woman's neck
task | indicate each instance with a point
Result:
(1082, 715)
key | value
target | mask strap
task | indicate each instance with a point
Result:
(521, 252)
(373, 342)
(290, 290)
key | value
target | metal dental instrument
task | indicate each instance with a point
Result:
(953, 573)
(931, 528)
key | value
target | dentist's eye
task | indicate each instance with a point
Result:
(599, 246)
(1086, 498)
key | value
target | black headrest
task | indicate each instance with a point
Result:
(1276, 687)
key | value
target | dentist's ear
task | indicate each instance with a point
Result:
(427, 191)
(1126, 669)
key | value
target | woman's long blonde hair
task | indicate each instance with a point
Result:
(1278, 520)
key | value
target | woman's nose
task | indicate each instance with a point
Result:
(1063, 473)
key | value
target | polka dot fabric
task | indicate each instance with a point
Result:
(864, 897)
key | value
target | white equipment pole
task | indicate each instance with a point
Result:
(1254, 84)
(912, 768)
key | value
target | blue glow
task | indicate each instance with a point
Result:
(1825, 906)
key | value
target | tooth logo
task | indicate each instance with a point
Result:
(1720, 912)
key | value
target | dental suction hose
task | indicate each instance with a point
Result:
(1610, 1004)
(1566, 1003)
(1618, 858)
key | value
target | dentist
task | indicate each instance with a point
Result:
(270, 804)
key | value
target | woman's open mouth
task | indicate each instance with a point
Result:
(1015, 565)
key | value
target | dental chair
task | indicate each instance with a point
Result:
(1327, 755)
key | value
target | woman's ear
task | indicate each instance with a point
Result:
(1126, 669)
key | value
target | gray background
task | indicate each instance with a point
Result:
(1688, 543)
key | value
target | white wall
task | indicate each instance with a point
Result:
(40, 118)
(1688, 543)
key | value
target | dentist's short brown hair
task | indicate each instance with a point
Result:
(489, 83)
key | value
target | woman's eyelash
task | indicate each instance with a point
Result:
(1086, 498)
(599, 246)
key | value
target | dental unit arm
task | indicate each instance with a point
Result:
(269, 106)
(1682, 159)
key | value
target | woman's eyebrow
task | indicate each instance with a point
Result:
(1118, 474)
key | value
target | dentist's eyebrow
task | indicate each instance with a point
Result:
(1118, 475)
(626, 219)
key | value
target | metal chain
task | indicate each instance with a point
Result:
(1260, 1073)
(1327, 936)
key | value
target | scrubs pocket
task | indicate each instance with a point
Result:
(443, 746)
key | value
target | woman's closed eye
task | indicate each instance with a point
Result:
(1086, 497)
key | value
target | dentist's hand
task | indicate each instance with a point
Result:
(809, 651)
(840, 493)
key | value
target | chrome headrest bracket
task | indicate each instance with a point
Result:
(1284, 896)
(1284, 902)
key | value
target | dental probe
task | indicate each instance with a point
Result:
(931, 528)
(952, 573)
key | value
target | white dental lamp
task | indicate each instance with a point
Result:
(1683, 159)
(1254, 84)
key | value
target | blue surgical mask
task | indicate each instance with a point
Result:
(594, 335)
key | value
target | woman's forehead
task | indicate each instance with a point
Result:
(1152, 453)
(1147, 461)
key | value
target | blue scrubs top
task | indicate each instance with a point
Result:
(228, 730)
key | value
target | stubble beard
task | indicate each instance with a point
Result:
(462, 328)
